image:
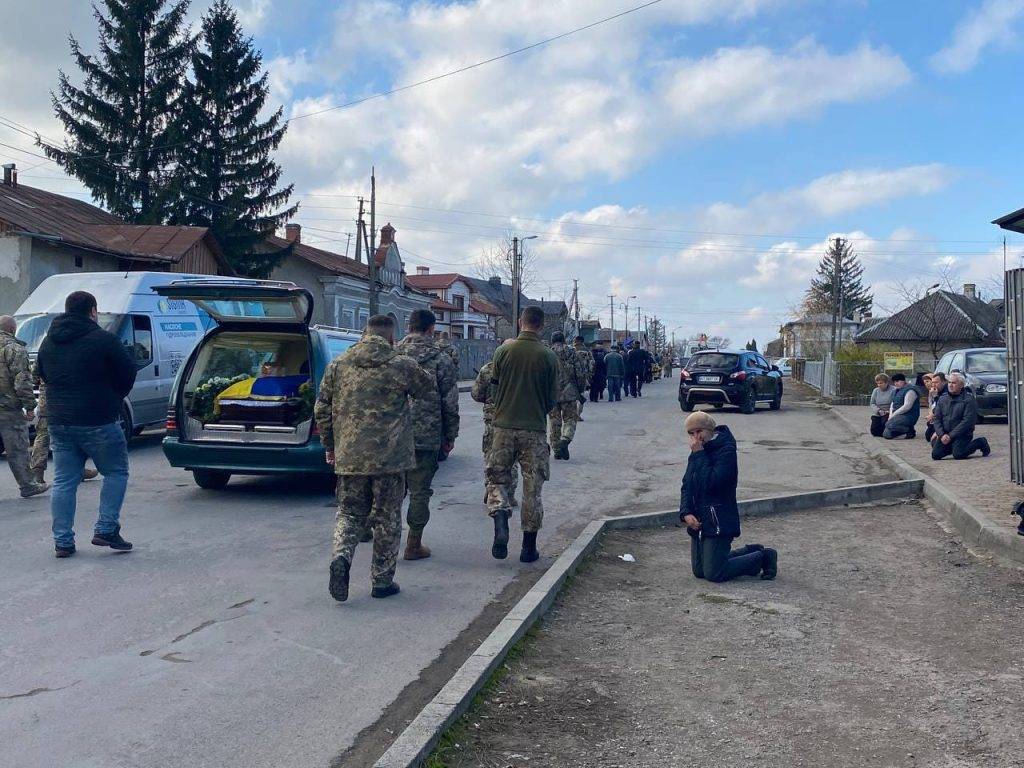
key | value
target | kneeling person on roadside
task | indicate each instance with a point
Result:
(708, 507)
(364, 415)
(435, 422)
(954, 419)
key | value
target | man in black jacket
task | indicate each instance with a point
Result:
(955, 415)
(638, 365)
(87, 373)
(707, 506)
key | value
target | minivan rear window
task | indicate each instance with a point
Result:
(337, 346)
(713, 360)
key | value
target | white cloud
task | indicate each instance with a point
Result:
(738, 88)
(252, 14)
(991, 23)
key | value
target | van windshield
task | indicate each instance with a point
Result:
(32, 329)
(987, 362)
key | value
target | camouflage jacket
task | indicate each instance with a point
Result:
(587, 360)
(483, 390)
(449, 349)
(435, 419)
(572, 375)
(16, 391)
(363, 410)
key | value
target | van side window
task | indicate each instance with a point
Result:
(142, 347)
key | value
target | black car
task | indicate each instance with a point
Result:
(726, 377)
(986, 374)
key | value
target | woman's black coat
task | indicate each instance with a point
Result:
(709, 487)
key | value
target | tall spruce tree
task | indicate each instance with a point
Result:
(853, 296)
(124, 122)
(229, 182)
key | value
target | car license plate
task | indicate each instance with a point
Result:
(707, 379)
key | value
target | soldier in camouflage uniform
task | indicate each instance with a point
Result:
(41, 444)
(483, 392)
(435, 422)
(17, 407)
(525, 377)
(587, 361)
(571, 376)
(365, 421)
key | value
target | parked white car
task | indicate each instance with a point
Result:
(784, 366)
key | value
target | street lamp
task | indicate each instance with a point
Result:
(517, 266)
(626, 305)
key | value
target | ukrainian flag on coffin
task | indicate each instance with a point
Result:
(264, 388)
(237, 391)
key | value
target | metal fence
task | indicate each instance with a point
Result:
(821, 374)
(473, 353)
(1015, 363)
(851, 381)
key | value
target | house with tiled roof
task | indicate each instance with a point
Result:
(43, 234)
(941, 321)
(341, 285)
(461, 311)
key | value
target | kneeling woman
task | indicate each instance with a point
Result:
(708, 507)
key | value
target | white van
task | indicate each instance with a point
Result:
(159, 332)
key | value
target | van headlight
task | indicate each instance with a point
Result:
(995, 389)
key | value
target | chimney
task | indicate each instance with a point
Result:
(494, 280)
(293, 233)
(970, 290)
(387, 234)
(11, 175)
(422, 270)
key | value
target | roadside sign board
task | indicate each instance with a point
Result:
(899, 361)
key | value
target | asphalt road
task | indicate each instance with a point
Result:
(215, 642)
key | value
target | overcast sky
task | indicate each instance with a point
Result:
(696, 154)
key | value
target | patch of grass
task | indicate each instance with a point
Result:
(456, 736)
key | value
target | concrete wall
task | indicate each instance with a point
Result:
(308, 276)
(25, 262)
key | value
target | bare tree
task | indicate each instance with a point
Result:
(922, 325)
(496, 261)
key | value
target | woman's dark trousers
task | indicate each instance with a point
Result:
(713, 559)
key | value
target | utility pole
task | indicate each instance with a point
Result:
(515, 284)
(836, 272)
(359, 233)
(576, 304)
(638, 321)
(348, 242)
(611, 319)
(372, 255)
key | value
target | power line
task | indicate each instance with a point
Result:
(478, 64)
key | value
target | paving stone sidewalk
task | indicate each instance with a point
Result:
(982, 482)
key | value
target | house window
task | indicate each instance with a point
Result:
(459, 302)
(440, 316)
(348, 318)
(364, 315)
(79, 262)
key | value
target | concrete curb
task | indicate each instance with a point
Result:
(417, 741)
(976, 530)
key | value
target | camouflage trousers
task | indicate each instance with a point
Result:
(531, 451)
(418, 481)
(562, 422)
(373, 501)
(513, 472)
(41, 445)
(14, 433)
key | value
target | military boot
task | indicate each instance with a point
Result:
(385, 590)
(563, 446)
(499, 549)
(529, 553)
(339, 579)
(34, 490)
(414, 549)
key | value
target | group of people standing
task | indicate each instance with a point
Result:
(952, 412)
(620, 371)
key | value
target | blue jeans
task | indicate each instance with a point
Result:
(614, 388)
(108, 449)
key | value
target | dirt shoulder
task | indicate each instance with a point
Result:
(882, 643)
